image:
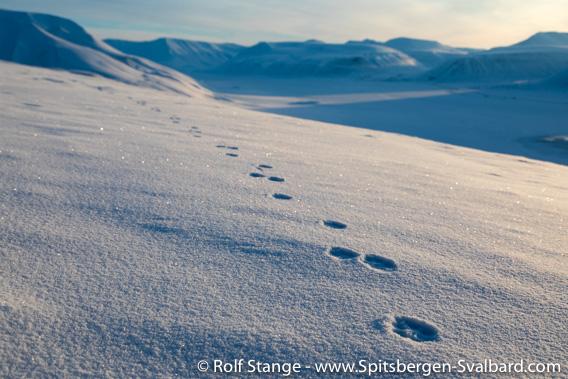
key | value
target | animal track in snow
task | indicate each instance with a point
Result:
(281, 196)
(261, 166)
(221, 146)
(233, 147)
(276, 179)
(415, 329)
(379, 263)
(257, 175)
(334, 224)
(232, 155)
(343, 253)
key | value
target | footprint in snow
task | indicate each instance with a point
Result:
(281, 196)
(221, 146)
(261, 166)
(232, 155)
(257, 175)
(233, 147)
(415, 329)
(343, 253)
(275, 179)
(377, 262)
(334, 224)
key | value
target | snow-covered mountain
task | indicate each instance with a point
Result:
(429, 53)
(315, 58)
(181, 55)
(54, 42)
(540, 56)
(147, 234)
(559, 80)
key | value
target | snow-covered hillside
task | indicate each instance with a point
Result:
(315, 58)
(50, 41)
(559, 80)
(540, 56)
(429, 53)
(143, 232)
(181, 55)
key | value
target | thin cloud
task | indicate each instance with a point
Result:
(480, 23)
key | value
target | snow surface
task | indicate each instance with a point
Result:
(54, 42)
(141, 232)
(181, 55)
(511, 120)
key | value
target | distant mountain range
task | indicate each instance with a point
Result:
(184, 56)
(538, 57)
(50, 41)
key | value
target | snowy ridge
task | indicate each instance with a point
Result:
(142, 232)
(181, 55)
(429, 53)
(54, 42)
(315, 58)
(538, 57)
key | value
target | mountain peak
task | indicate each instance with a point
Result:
(546, 39)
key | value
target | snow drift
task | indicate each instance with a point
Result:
(143, 232)
(540, 56)
(53, 42)
(181, 55)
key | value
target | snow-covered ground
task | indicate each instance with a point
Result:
(143, 231)
(150, 229)
(515, 120)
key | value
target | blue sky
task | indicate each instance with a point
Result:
(468, 23)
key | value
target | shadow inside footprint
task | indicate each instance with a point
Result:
(257, 175)
(415, 329)
(343, 253)
(379, 263)
(281, 196)
(232, 155)
(264, 166)
(232, 148)
(334, 224)
(276, 179)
